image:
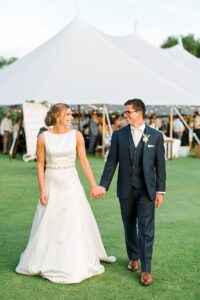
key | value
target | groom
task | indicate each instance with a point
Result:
(139, 150)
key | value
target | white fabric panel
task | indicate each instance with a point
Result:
(184, 57)
(156, 60)
(80, 66)
(34, 115)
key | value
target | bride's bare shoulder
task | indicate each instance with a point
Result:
(79, 136)
(41, 140)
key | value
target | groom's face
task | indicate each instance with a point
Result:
(131, 115)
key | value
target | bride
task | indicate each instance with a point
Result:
(65, 245)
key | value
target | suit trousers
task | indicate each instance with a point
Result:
(138, 215)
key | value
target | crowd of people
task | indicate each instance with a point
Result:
(92, 129)
(9, 131)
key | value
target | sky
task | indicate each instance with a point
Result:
(26, 24)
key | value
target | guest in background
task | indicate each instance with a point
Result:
(117, 123)
(99, 141)
(159, 123)
(42, 129)
(152, 122)
(16, 127)
(178, 128)
(94, 130)
(185, 135)
(197, 123)
(123, 121)
(86, 134)
(6, 131)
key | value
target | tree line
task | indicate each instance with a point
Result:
(189, 42)
(6, 61)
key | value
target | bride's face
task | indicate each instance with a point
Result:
(65, 118)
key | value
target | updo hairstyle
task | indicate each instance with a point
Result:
(53, 113)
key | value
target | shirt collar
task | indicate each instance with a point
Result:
(141, 128)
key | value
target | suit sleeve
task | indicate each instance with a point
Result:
(111, 163)
(160, 165)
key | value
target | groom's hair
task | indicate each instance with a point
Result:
(137, 104)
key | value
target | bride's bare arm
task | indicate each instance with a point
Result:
(40, 168)
(83, 159)
(95, 191)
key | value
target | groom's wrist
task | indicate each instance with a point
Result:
(161, 193)
(103, 187)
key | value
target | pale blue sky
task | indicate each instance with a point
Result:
(26, 24)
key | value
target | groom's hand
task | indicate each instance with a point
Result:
(98, 192)
(159, 200)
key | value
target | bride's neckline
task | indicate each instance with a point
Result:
(59, 133)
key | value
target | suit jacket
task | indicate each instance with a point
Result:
(121, 151)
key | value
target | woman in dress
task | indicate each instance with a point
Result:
(65, 245)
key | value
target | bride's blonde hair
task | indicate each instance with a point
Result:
(54, 112)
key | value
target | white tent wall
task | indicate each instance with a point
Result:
(158, 61)
(182, 56)
(80, 66)
(34, 115)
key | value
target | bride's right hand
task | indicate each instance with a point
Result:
(43, 199)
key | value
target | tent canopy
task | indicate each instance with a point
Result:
(184, 57)
(156, 60)
(80, 66)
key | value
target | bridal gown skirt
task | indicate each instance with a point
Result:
(65, 245)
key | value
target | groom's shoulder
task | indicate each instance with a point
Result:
(154, 132)
(121, 130)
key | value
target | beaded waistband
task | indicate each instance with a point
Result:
(59, 167)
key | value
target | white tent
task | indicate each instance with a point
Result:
(159, 62)
(184, 57)
(78, 66)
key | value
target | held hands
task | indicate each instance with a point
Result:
(159, 200)
(97, 192)
(43, 199)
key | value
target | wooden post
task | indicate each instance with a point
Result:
(79, 117)
(171, 129)
(103, 132)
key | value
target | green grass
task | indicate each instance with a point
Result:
(176, 260)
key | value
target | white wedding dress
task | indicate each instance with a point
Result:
(65, 245)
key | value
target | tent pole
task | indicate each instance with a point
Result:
(103, 131)
(79, 117)
(171, 130)
(108, 119)
(15, 143)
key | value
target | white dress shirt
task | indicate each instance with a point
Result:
(137, 133)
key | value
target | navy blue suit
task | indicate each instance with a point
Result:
(141, 173)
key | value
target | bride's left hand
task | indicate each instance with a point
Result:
(43, 199)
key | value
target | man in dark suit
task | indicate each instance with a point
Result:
(139, 150)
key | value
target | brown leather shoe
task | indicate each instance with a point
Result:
(133, 265)
(146, 278)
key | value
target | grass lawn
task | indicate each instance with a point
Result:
(176, 263)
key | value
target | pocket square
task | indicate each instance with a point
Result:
(151, 146)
